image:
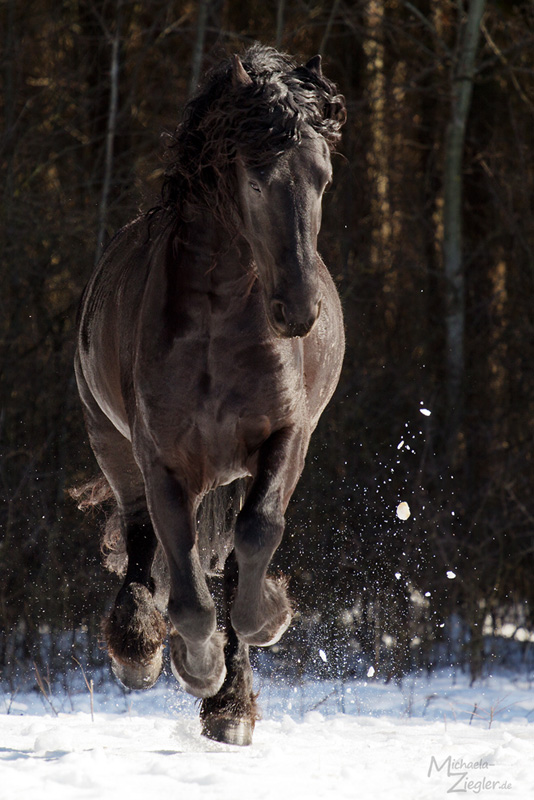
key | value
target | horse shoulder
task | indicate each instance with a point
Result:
(324, 349)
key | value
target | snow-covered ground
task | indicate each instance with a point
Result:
(358, 740)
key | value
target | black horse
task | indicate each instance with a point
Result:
(210, 341)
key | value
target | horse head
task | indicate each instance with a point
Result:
(280, 204)
(254, 150)
(281, 214)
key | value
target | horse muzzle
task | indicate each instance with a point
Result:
(289, 323)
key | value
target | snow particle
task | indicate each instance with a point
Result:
(451, 575)
(370, 672)
(322, 656)
(425, 412)
(403, 511)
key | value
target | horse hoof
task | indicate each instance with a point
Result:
(262, 624)
(266, 636)
(138, 676)
(228, 730)
(135, 630)
(202, 686)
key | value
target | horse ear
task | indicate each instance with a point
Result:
(239, 76)
(314, 65)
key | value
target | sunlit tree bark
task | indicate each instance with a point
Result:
(378, 153)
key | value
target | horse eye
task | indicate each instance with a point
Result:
(254, 185)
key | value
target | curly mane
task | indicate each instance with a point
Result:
(258, 121)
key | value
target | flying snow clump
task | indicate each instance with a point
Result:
(403, 510)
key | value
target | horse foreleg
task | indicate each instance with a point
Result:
(261, 611)
(197, 648)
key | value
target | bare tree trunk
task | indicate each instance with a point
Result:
(110, 134)
(198, 52)
(8, 138)
(331, 18)
(280, 22)
(378, 154)
(452, 213)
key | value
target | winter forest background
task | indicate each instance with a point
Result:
(428, 231)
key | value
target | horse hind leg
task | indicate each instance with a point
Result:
(231, 714)
(134, 629)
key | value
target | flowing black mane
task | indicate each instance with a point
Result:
(260, 120)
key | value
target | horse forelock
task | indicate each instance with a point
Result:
(256, 121)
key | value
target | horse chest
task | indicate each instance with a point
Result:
(245, 380)
(219, 398)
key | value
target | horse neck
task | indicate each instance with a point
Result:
(211, 254)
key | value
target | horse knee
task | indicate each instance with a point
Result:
(258, 534)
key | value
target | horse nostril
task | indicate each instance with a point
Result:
(313, 317)
(286, 325)
(279, 313)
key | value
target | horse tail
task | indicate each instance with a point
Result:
(97, 494)
(93, 493)
(216, 521)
